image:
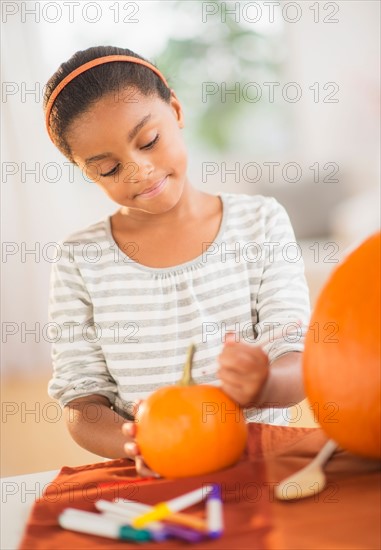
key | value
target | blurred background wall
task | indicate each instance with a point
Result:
(280, 98)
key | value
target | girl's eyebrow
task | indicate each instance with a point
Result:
(130, 136)
(138, 127)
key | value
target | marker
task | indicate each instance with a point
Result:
(126, 516)
(158, 535)
(179, 518)
(168, 530)
(214, 514)
(158, 530)
(164, 509)
(95, 524)
(184, 533)
(186, 524)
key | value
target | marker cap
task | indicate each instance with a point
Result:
(129, 533)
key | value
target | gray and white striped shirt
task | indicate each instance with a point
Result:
(122, 329)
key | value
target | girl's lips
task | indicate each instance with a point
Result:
(155, 190)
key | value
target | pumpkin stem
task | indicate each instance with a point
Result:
(186, 379)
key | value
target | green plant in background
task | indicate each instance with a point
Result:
(220, 54)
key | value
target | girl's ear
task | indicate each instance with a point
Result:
(177, 109)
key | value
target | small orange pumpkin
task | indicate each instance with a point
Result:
(189, 429)
(341, 362)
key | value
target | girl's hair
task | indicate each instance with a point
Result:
(84, 90)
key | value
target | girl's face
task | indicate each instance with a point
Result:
(131, 146)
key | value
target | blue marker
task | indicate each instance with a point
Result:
(214, 514)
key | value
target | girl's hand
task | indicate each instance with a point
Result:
(132, 451)
(244, 369)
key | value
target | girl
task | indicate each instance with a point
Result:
(173, 265)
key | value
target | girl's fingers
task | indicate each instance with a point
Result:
(238, 395)
(242, 393)
(242, 374)
(236, 348)
(129, 429)
(230, 338)
(242, 360)
(131, 449)
(229, 377)
(138, 404)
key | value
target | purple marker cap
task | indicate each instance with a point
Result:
(159, 535)
(215, 492)
(184, 533)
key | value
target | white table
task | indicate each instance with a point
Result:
(18, 494)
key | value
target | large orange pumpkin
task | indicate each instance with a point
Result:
(341, 362)
(189, 430)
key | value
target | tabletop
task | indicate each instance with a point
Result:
(346, 514)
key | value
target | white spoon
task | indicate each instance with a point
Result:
(308, 481)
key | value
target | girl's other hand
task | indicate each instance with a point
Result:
(243, 371)
(132, 451)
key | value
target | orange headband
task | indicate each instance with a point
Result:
(86, 67)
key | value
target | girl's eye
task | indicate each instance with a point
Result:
(145, 148)
(111, 172)
(151, 143)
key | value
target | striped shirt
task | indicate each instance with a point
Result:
(121, 329)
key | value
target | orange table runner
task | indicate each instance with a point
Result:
(346, 515)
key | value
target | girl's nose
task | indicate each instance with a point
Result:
(136, 173)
